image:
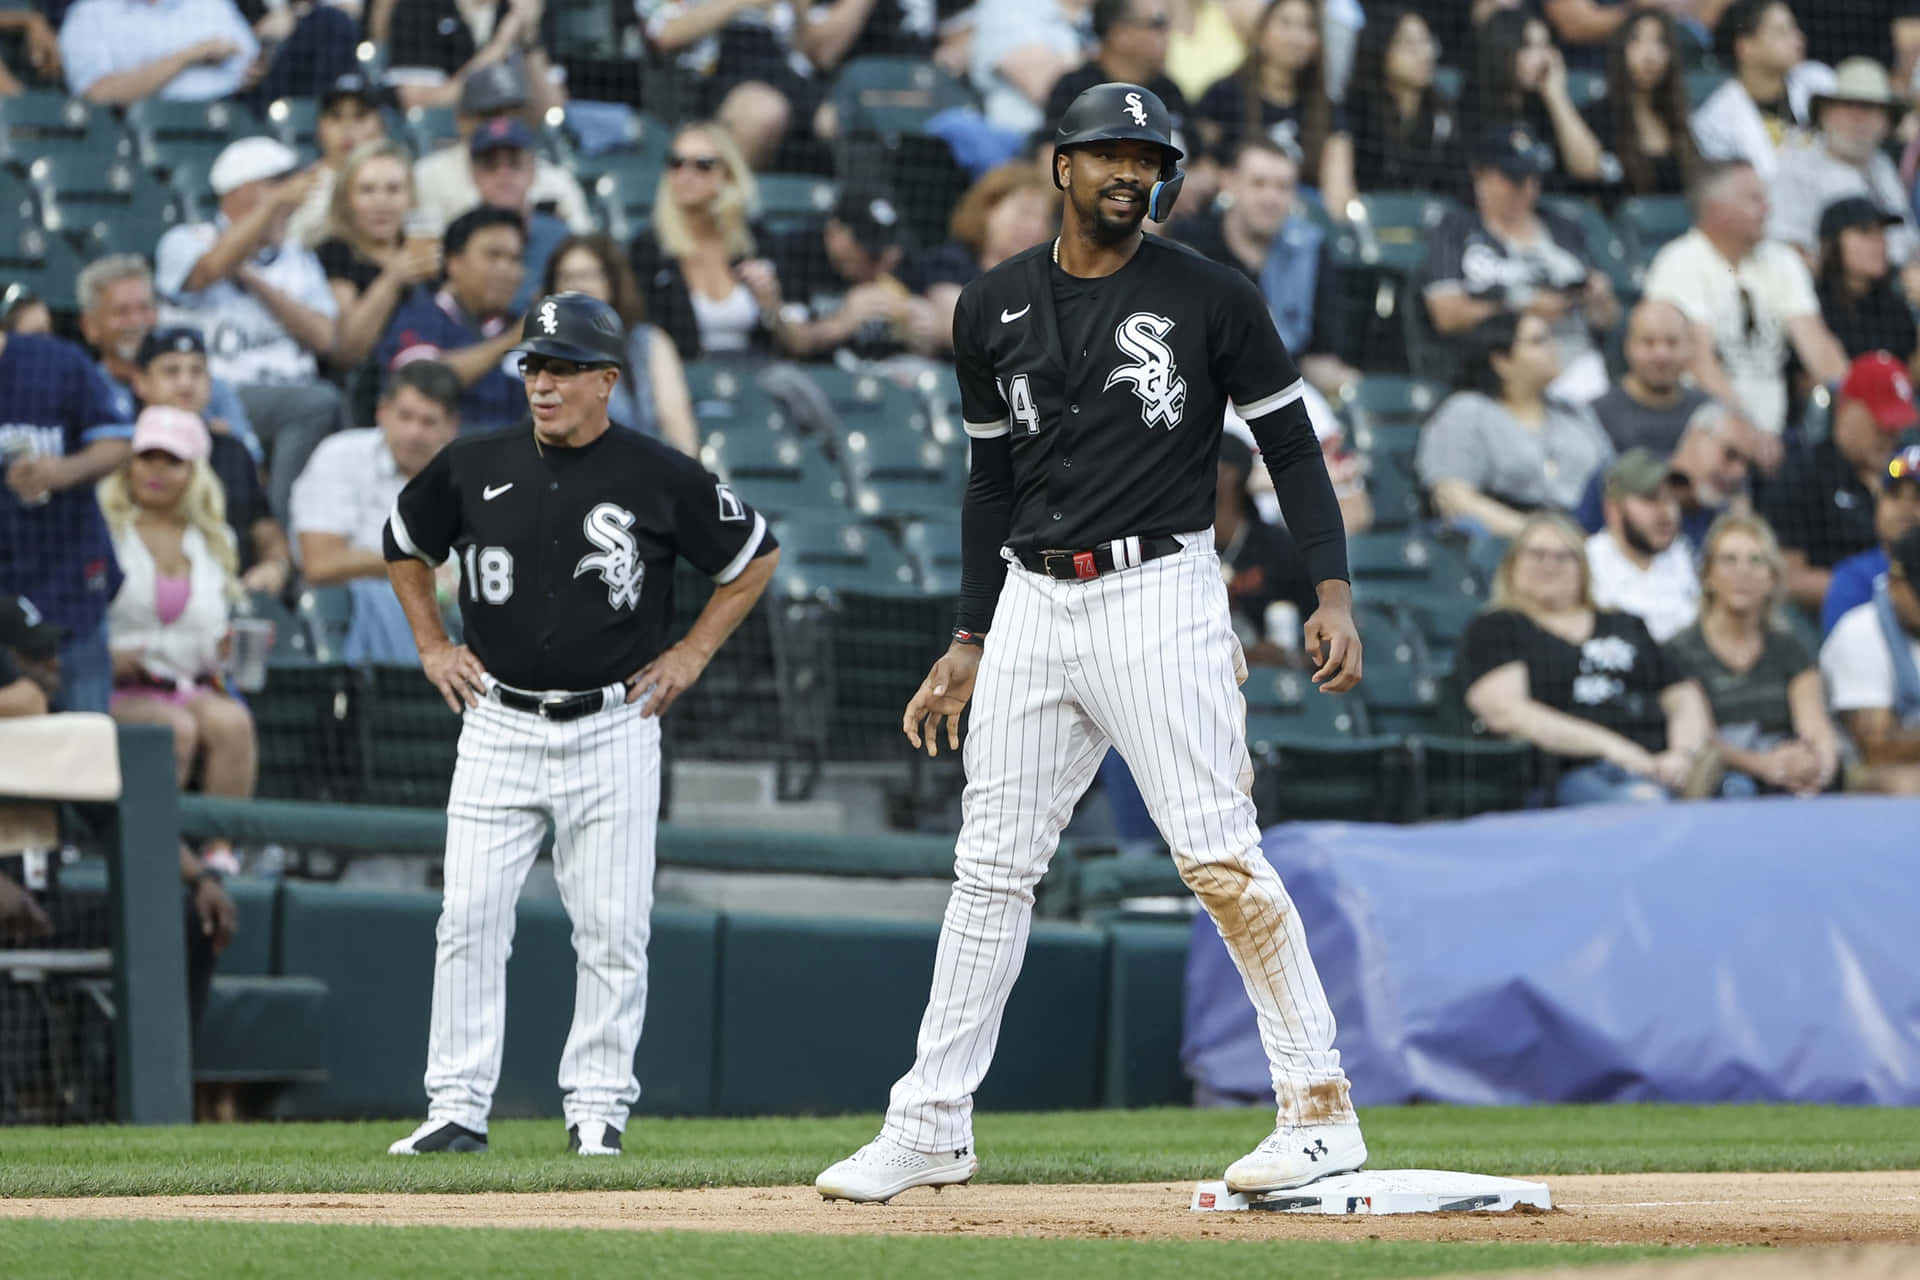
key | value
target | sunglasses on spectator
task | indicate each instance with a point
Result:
(1158, 22)
(1549, 555)
(705, 164)
(532, 366)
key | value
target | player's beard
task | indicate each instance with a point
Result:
(1103, 228)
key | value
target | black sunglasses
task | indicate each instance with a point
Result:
(705, 164)
(533, 365)
(1158, 22)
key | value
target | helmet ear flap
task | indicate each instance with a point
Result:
(1165, 192)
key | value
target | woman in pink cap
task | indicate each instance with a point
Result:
(168, 626)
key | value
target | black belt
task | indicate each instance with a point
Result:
(556, 706)
(1121, 553)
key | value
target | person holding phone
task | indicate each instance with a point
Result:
(375, 249)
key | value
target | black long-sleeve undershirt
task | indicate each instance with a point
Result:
(1300, 481)
(986, 517)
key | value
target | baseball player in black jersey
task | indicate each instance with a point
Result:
(566, 528)
(1094, 375)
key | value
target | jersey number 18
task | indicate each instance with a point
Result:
(489, 574)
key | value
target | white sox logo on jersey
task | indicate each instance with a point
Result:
(618, 560)
(548, 320)
(1137, 109)
(1155, 379)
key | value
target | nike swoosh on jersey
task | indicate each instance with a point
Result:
(493, 491)
(1008, 317)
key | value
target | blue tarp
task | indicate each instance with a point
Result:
(1726, 951)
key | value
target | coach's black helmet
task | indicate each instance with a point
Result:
(1118, 111)
(574, 326)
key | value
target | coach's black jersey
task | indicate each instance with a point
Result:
(566, 555)
(1114, 389)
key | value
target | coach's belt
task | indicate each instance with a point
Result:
(1121, 553)
(553, 706)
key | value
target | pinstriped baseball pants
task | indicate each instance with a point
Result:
(1144, 660)
(598, 779)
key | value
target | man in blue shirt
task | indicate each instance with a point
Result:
(468, 324)
(59, 434)
(1711, 467)
(1896, 509)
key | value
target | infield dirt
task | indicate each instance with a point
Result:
(1667, 1209)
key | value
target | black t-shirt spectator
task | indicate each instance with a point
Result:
(432, 35)
(1428, 156)
(1666, 178)
(1852, 28)
(809, 281)
(1614, 679)
(1225, 104)
(1202, 233)
(246, 500)
(1880, 321)
(897, 29)
(340, 262)
(1817, 505)
(1084, 77)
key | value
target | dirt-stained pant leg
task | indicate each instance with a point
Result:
(1158, 667)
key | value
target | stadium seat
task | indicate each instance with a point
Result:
(431, 128)
(932, 544)
(896, 474)
(1389, 398)
(1362, 779)
(624, 191)
(153, 120)
(1386, 635)
(1282, 701)
(327, 612)
(1440, 615)
(1390, 229)
(137, 230)
(822, 554)
(292, 643)
(888, 97)
(46, 123)
(1397, 500)
(727, 395)
(1401, 696)
(793, 201)
(410, 738)
(76, 189)
(1586, 85)
(780, 475)
(1410, 559)
(294, 121)
(43, 262)
(1702, 82)
(1648, 222)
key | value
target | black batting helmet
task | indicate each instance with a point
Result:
(574, 326)
(1118, 111)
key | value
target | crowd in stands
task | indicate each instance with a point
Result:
(1665, 282)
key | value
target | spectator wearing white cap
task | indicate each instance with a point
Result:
(443, 182)
(122, 51)
(169, 621)
(1844, 157)
(262, 301)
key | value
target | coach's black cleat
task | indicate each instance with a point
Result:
(593, 1138)
(440, 1135)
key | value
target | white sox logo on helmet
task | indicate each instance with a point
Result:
(1137, 109)
(618, 560)
(1155, 378)
(548, 319)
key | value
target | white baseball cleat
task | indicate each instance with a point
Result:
(883, 1169)
(1294, 1155)
(440, 1135)
(593, 1138)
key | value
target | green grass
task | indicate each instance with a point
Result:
(1107, 1146)
(51, 1250)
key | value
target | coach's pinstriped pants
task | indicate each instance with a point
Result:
(1144, 660)
(598, 778)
